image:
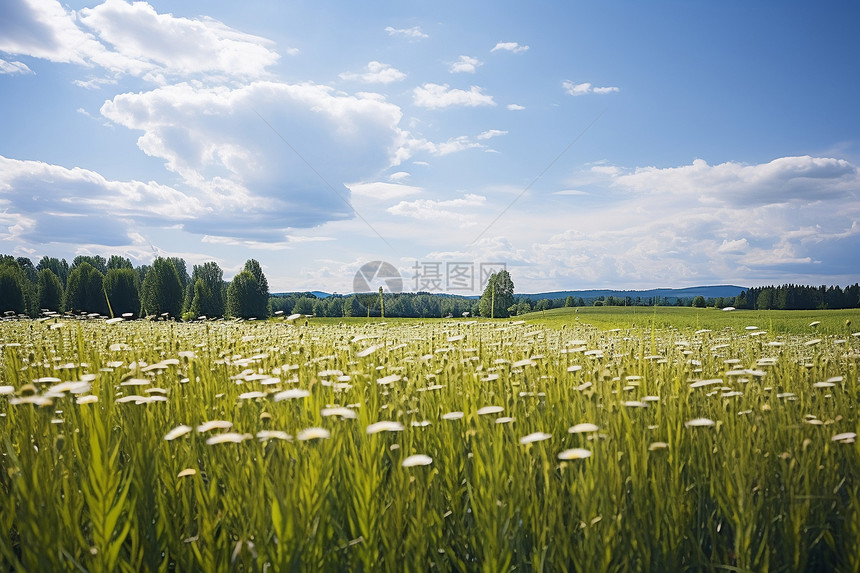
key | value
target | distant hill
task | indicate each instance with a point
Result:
(672, 293)
(689, 292)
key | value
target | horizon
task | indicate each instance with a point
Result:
(632, 145)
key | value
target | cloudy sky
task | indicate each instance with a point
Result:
(583, 144)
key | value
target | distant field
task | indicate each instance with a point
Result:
(776, 321)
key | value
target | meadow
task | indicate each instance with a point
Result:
(591, 439)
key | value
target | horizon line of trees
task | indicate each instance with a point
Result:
(114, 287)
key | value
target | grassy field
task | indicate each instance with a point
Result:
(597, 440)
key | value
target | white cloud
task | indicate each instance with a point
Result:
(585, 88)
(466, 64)
(399, 176)
(570, 192)
(446, 210)
(383, 191)
(165, 44)
(515, 107)
(436, 96)
(377, 72)
(489, 134)
(413, 33)
(797, 179)
(509, 47)
(133, 39)
(14, 67)
(256, 183)
(49, 203)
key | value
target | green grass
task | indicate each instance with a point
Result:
(777, 321)
(88, 481)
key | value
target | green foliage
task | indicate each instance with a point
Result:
(699, 301)
(122, 290)
(84, 291)
(244, 299)
(498, 296)
(118, 262)
(96, 261)
(162, 291)
(213, 297)
(13, 287)
(57, 266)
(50, 290)
(204, 302)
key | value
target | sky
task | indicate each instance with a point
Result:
(580, 144)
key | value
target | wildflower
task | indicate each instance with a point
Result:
(699, 422)
(658, 446)
(845, 437)
(384, 426)
(574, 454)
(490, 410)
(228, 438)
(177, 432)
(582, 428)
(452, 416)
(264, 435)
(313, 434)
(187, 472)
(416, 460)
(291, 393)
(534, 437)
(342, 412)
(214, 425)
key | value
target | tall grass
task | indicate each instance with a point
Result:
(89, 482)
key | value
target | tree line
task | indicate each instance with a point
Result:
(115, 287)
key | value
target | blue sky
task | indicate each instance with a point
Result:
(624, 144)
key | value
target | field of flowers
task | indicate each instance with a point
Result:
(430, 445)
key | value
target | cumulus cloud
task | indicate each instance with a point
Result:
(49, 203)
(466, 64)
(515, 107)
(509, 47)
(446, 210)
(132, 39)
(413, 33)
(585, 88)
(237, 161)
(436, 96)
(798, 179)
(377, 73)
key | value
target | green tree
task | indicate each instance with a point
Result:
(213, 277)
(162, 290)
(569, 302)
(253, 267)
(50, 290)
(699, 301)
(59, 267)
(204, 302)
(543, 304)
(12, 287)
(97, 261)
(122, 290)
(498, 296)
(244, 299)
(118, 262)
(85, 290)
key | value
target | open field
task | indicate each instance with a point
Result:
(665, 440)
